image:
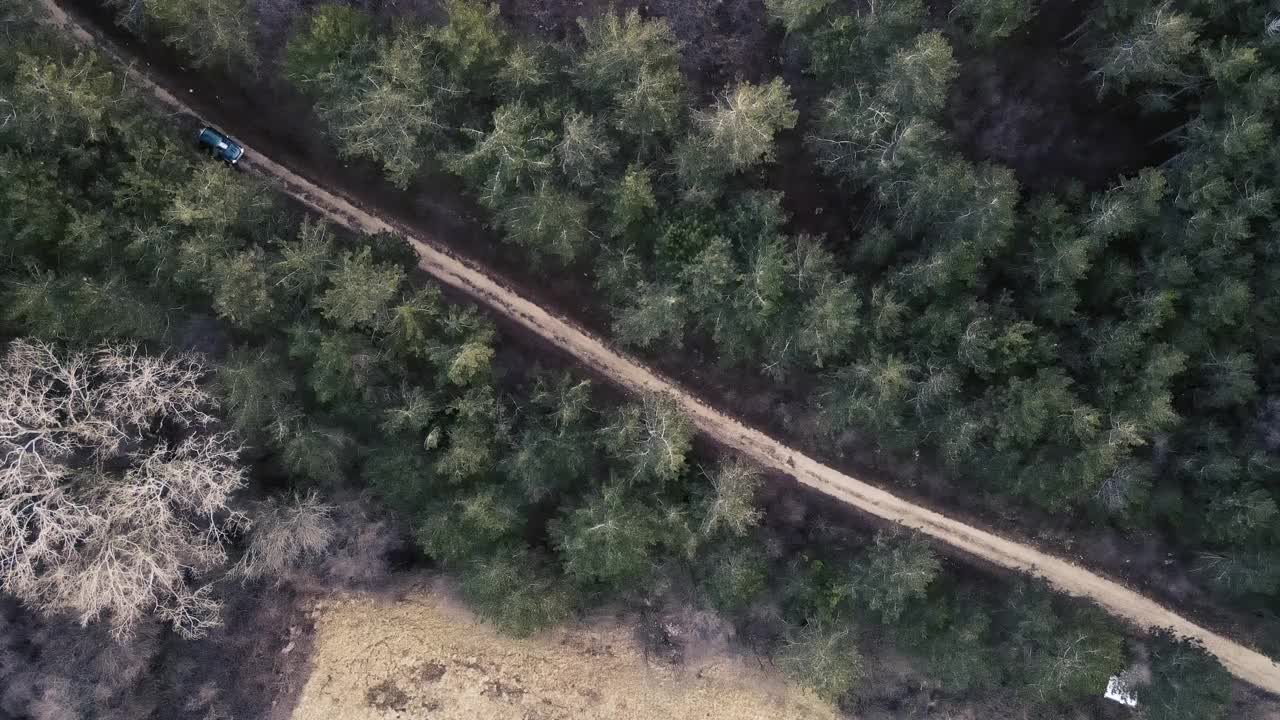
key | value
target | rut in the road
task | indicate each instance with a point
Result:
(634, 376)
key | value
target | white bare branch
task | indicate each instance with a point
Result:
(733, 505)
(102, 511)
(285, 535)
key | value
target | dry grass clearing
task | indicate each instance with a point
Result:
(426, 658)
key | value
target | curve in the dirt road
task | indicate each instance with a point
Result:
(634, 376)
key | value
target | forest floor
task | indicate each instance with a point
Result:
(633, 376)
(426, 656)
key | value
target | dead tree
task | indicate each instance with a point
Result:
(114, 486)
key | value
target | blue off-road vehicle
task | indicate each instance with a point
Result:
(219, 145)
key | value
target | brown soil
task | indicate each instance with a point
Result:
(633, 376)
(424, 657)
(1030, 105)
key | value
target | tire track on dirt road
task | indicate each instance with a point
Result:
(633, 376)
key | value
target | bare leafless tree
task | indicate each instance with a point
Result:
(114, 487)
(732, 506)
(286, 534)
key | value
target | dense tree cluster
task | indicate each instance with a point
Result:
(1108, 352)
(1104, 352)
(213, 35)
(895, 591)
(114, 231)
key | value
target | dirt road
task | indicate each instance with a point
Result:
(632, 375)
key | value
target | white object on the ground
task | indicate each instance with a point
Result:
(1118, 690)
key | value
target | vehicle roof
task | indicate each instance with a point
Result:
(230, 148)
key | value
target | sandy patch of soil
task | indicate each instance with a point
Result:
(424, 657)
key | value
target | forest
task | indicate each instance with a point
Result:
(261, 400)
(1099, 352)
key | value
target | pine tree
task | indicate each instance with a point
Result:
(337, 40)
(740, 128)
(240, 289)
(917, 77)
(361, 291)
(823, 658)
(1154, 50)
(990, 21)
(513, 590)
(610, 540)
(512, 157)
(653, 313)
(584, 151)
(652, 437)
(548, 222)
(633, 65)
(1187, 683)
(896, 571)
(731, 504)
(211, 35)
